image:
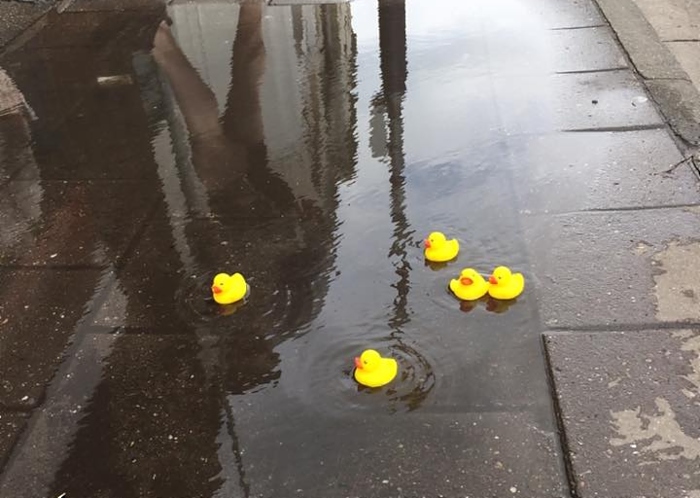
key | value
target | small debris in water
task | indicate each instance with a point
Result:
(513, 489)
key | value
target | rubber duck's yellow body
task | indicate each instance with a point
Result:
(228, 289)
(505, 285)
(470, 285)
(439, 249)
(372, 370)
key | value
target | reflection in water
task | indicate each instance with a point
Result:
(233, 150)
(20, 204)
(284, 244)
(387, 112)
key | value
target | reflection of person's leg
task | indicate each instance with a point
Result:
(215, 159)
(243, 115)
(194, 97)
(242, 120)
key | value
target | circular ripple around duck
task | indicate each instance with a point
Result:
(196, 305)
(332, 389)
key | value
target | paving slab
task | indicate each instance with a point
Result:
(680, 101)
(541, 104)
(597, 268)
(628, 404)
(688, 54)
(422, 454)
(138, 409)
(39, 313)
(562, 15)
(561, 50)
(672, 19)
(15, 17)
(102, 218)
(564, 172)
(109, 5)
(641, 25)
(11, 426)
(650, 56)
(678, 282)
(586, 49)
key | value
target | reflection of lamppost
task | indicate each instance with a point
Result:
(388, 111)
(387, 141)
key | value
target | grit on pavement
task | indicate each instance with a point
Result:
(312, 146)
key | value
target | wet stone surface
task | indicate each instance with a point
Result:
(596, 268)
(640, 437)
(39, 311)
(490, 454)
(102, 225)
(621, 103)
(608, 171)
(11, 425)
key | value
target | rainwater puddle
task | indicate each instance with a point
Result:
(311, 148)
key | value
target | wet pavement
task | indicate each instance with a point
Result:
(312, 148)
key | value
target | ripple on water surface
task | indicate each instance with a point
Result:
(330, 387)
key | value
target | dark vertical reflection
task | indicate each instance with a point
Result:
(392, 46)
(387, 126)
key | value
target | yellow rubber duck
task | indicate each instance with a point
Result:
(372, 370)
(439, 249)
(470, 285)
(228, 289)
(504, 284)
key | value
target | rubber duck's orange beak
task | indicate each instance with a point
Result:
(358, 362)
(492, 280)
(215, 289)
(426, 242)
(466, 281)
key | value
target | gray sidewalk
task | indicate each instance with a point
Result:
(627, 392)
(662, 38)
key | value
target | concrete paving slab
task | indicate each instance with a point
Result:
(423, 454)
(678, 282)
(566, 172)
(562, 15)
(11, 426)
(672, 19)
(109, 5)
(650, 56)
(597, 268)
(688, 54)
(15, 17)
(559, 50)
(574, 102)
(589, 49)
(120, 29)
(680, 102)
(640, 437)
(139, 409)
(102, 219)
(668, 82)
(39, 312)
